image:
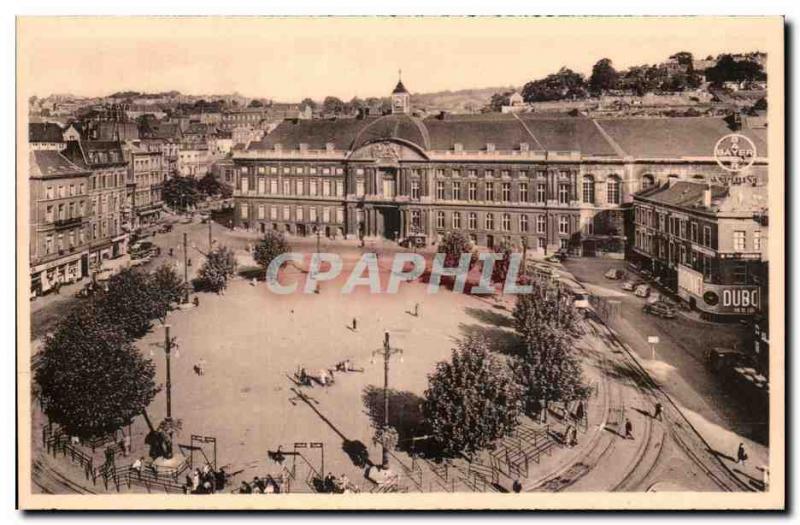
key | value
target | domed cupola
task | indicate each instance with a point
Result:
(401, 98)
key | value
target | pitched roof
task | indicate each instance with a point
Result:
(399, 88)
(569, 134)
(93, 153)
(683, 194)
(665, 137)
(52, 164)
(45, 132)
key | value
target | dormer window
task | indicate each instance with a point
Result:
(458, 147)
(490, 146)
(303, 147)
(524, 146)
(278, 148)
(329, 147)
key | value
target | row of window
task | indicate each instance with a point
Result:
(78, 236)
(504, 223)
(294, 170)
(62, 190)
(301, 213)
(270, 186)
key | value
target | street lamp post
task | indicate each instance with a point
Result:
(386, 352)
(168, 343)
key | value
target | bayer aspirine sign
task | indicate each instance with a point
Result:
(735, 152)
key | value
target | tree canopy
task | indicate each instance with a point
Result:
(471, 400)
(604, 77)
(91, 379)
(270, 246)
(565, 84)
(453, 245)
(219, 266)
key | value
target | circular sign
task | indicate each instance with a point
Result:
(711, 298)
(734, 152)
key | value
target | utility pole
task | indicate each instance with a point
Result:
(167, 349)
(186, 267)
(386, 352)
(524, 256)
(210, 238)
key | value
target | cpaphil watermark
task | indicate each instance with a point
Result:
(405, 267)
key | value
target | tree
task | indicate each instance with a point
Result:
(499, 100)
(309, 102)
(604, 77)
(727, 69)
(91, 379)
(333, 105)
(453, 245)
(566, 84)
(547, 369)
(471, 400)
(130, 302)
(168, 289)
(210, 185)
(180, 192)
(219, 265)
(270, 246)
(683, 58)
(255, 103)
(545, 365)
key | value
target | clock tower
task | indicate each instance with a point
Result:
(401, 99)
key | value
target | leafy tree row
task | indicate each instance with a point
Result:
(185, 192)
(91, 379)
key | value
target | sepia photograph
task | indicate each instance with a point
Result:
(400, 263)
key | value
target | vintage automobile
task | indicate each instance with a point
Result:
(582, 301)
(417, 241)
(165, 228)
(614, 274)
(660, 309)
(631, 284)
(144, 249)
(643, 290)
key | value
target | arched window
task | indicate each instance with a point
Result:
(613, 190)
(588, 189)
(647, 181)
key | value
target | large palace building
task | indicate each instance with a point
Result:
(549, 181)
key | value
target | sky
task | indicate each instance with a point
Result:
(287, 59)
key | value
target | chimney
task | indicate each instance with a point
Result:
(707, 196)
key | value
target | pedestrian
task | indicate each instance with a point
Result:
(658, 411)
(327, 484)
(220, 478)
(245, 488)
(416, 309)
(195, 480)
(137, 466)
(741, 455)
(517, 486)
(170, 252)
(628, 429)
(355, 324)
(579, 411)
(196, 301)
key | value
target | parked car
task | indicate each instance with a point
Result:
(643, 290)
(660, 309)
(582, 301)
(555, 258)
(631, 284)
(144, 249)
(165, 228)
(614, 274)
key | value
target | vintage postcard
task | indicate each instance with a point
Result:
(400, 263)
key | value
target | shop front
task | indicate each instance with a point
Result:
(718, 302)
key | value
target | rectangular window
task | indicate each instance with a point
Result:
(340, 188)
(706, 236)
(489, 221)
(563, 224)
(312, 187)
(440, 189)
(540, 193)
(563, 193)
(541, 223)
(273, 213)
(245, 184)
(506, 191)
(262, 186)
(312, 214)
(456, 190)
(245, 211)
(506, 222)
(261, 212)
(472, 191)
(339, 215)
(489, 191)
(694, 232)
(326, 214)
(757, 240)
(273, 186)
(360, 188)
(523, 192)
(414, 188)
(287, 187)
(739, 240)
(298, 213)
(523, 223)
(473, 221)
(440, 219)
(326, 188)
(299, 187)
(456, 220)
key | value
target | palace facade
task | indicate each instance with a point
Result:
(548, 181)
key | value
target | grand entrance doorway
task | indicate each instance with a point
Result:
(389, 222)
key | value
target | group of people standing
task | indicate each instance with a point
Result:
(205, 480)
